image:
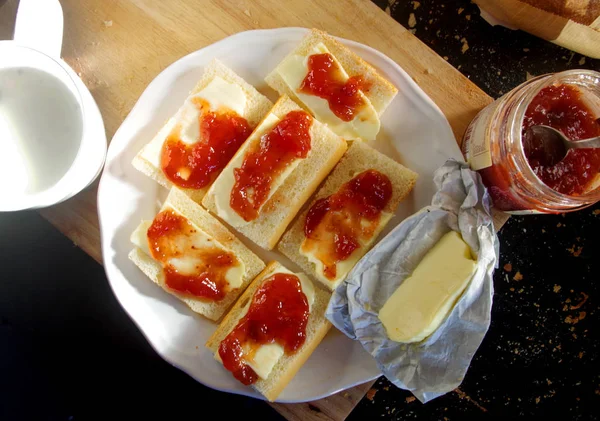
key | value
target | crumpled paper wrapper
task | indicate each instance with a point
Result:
(438, 364)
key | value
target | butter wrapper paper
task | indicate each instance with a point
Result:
(439, 363)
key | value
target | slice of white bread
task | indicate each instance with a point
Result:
(360, 157)
(275, 215)
(381, 92)
(288, 365)
(212, 310)
(257, 106)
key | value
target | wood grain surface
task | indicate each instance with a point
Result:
(117, 47)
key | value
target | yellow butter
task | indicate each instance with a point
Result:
(422, 302)
(218, 93)
(365, 125)
(199, 240)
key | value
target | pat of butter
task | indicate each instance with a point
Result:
(263, 359)
(199, 240)
(219, 94)
(421, 303)
(365, 125)
(223, 185)
(345, 266)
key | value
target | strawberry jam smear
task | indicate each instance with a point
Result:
(326, 80)
(170, 238)
(287, 141)
(278, 314)
(195, 166)
(562, 107)
(335, 225)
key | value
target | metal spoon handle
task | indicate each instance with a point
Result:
(592, 142)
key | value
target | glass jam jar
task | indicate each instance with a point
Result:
(493, 144)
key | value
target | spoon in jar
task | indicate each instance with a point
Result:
(552, 144)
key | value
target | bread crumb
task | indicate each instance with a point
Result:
(247, 12)
(596, 212)
(416, 5)
(410, 399)
(574, 320)
(580, 355)
(412, 20)
(468, 17)
(508, 267)
(582, 61)
(556, 288)
(526, 50)
(537, 400)
(371, 394)
(582, 302)
(549, 382)
(518, 276)
(558, 225)
(465, 45)
(108, 23)
(575, 252)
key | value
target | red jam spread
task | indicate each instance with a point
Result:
(287, 141)
(195, 166)
(325, 80)
(562, 107)
(335, 225)
(278, 314)
(170, 237)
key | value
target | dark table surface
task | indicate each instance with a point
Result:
(69, 352)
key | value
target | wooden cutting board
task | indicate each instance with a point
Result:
(117, 47)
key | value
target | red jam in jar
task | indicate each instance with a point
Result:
(518, 172)
(278, 313)
(562, 107)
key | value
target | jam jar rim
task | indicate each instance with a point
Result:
(589, 80)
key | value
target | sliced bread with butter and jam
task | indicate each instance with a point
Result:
(338, 87)
(347, 214)
(274, 173)
(192, 148)
(191, 255)
(272, 330)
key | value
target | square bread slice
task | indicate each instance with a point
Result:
(279, 210)
(288, 365)
(255, 109)
(380, 91)
(199, 217)
(360, 157)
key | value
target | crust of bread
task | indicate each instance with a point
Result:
(211, 226)
(258, 105)
(381, 91)
(276, 214)
(287, 367)
(360, 157)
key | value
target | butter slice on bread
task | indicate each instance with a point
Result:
(255, 109)
(287, 199)
(212, 310)
(288, 364)
(380, 91)
(359, 157)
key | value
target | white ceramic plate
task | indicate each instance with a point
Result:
(414, 131)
